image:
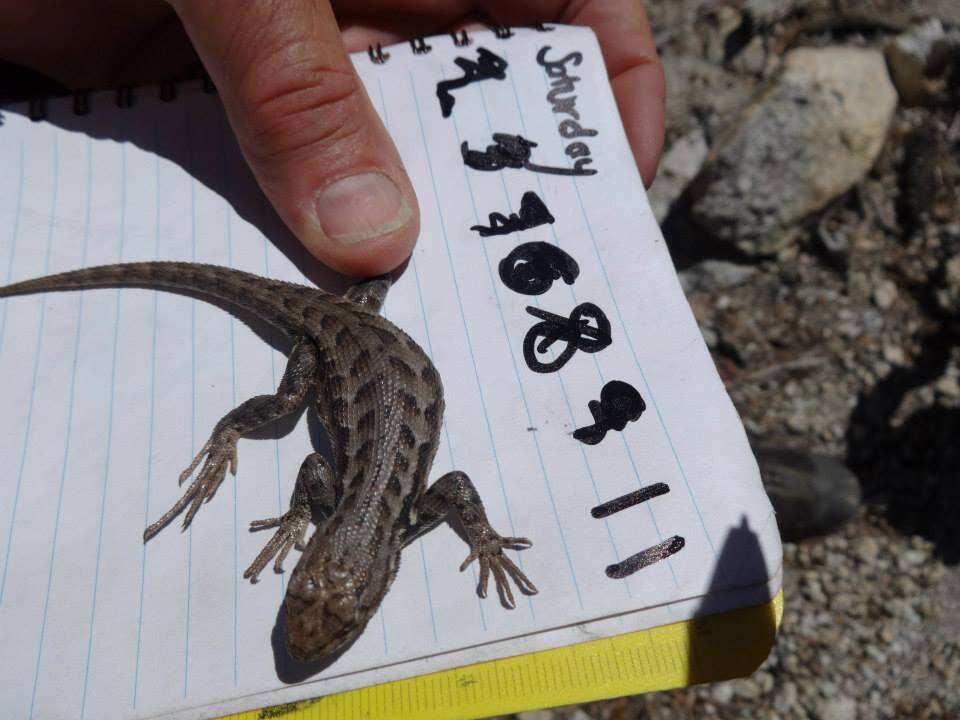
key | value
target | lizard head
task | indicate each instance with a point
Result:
(329, 602)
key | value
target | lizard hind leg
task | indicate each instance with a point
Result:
(316, 486)
(454, 492)
(370, 294)
(219, 454)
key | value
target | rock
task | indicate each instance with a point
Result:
(948, 296)
(811, 136)
(679, 165)
(702, 96)
(894, 355)
(885, 294)
(537, 715)
(922, 61)
(838, 708)
(867, 550)
(786, 698)
(722, 693)
(948, 387)
(714, 275)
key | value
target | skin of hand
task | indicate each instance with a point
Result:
(300, 113)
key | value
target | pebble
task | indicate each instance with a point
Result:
(894, 355)
(722, 693)
(839, 708)
(867, 549)
(885, 294)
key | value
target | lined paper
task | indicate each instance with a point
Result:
(109, 393)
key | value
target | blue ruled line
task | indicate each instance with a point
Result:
(68, 433)
(151, 421)
(228, 211)
(13, 245)
(3, 328)
(109, 448)
(41, 301)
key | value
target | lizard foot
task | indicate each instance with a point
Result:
(218, 455)
(489, 551)
(292, 527)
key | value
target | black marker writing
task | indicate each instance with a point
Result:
(486, 67)
(563, 101)
(531, 268)
(629, 500)
(576, 331)
(619, 404)
(668, 547)
(532, 213)
(512, 151)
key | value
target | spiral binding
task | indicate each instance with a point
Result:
(460, 39)
(124, 96)
(168, 91)
(81, 102)
(419, 46)
(377, 55)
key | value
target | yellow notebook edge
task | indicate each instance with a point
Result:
(705, 649)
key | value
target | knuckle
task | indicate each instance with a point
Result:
(301, 105)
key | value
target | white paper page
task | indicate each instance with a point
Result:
(109, 393)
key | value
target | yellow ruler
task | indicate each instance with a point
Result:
(717, 647)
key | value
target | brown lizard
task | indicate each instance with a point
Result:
(381, 401)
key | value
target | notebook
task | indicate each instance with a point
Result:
(581, 398)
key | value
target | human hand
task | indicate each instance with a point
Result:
(301, 115)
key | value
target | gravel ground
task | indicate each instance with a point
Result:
(846, 343)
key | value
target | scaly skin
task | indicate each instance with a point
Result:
(381, 401)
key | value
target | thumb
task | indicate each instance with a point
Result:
(307, 128)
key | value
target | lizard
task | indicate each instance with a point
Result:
(380, 399)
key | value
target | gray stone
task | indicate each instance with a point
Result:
(919, 60)
(722, 693)
(867, 550)
(838, 708)
(894, 355)
(786, 698)
(885, 294)
(702, 96)
(679, 165)
(714, 275)
(811, 136)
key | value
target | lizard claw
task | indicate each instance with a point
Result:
(492, 560)
(292, 526)
(218, 455)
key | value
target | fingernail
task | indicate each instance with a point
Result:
(361, 207)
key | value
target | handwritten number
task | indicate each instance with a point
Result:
(658, 552)
(629, 500)
(576, 331)
(513, 151)
(531, 268)
(486, 67)
(619, 404)
(532, 214)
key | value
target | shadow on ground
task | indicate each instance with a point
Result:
(912, 469)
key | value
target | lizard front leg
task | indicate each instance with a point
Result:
(220, 451)
(316, 487)
(454, 492)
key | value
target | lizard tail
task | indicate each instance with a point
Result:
(271, 300)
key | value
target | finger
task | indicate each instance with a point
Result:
(307, 128)
(630, 55)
